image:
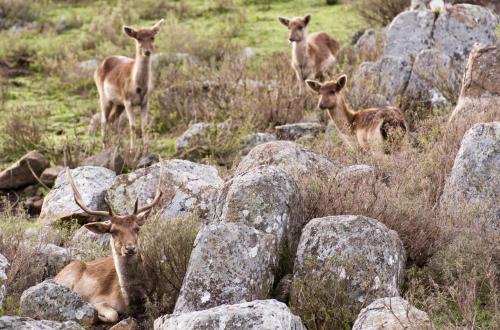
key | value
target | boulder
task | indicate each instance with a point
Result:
(393, 313)
(92, 183)
(127, 324)
(147, 161)
(83, 241)
(34, 205)
(480, 91)
(394, 75)
(4, 264)
(88, 67)
(49, 175)
(362, 253)
(49, 300)
(109, 158)
(19, 174)
(188, 188)
(26, 323)
(474, 180)
(298, 130)
(230, 263)
(258, 314)
(267, 199)
(368, 46)
(195, 141)
(53, 257)
(252, 140)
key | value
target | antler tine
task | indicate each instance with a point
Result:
(158, 192)
(78, 198)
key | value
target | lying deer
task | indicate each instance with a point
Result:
(312, 55)
(125, 83)
(368, 128)
(112, 285)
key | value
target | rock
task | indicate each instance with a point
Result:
(89, 66)
(92, 183)
(195, 141)
(4, 264)
(258, 314)
(49, 300)
(419, 4)
(127, 324)
(53, 257)
(84, 240)
(364, 92)
(109, 158)
(392, 313)
(353, 175)
(252, 140)
(358, 251)
(230, 263)
(267, 199)
(19, 175)
(369, 45)
(394, 75)
(474, 180)
(188, 188)
(34, 205)
(298, 130)
(49, 175)
(282, 291)
(26, 323)
(147, 161)
(481, 84)
(247, 53)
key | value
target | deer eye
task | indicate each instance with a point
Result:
(152, 38)
(113, 232)
(332, 92)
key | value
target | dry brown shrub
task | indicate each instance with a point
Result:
(380, 12)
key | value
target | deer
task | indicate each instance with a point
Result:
(312, 55)
(116, 284)
(367, 128)
(125, 83)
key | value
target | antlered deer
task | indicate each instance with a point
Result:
(312, 55)
(125, 83)
(117, 284)
(368, 128)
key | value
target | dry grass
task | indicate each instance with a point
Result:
(380, 12)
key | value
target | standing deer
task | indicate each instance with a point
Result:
(125, 83)
(117, 284)
(368, 128)
(312, 55)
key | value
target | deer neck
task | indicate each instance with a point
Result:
(343, 116)
(300, 51)
(131, 278)
(141, 72)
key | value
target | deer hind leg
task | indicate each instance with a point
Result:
(106, 313)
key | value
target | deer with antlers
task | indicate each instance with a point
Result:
(126, 83)
(367, 128)
(112, 285)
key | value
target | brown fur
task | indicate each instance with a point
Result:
(368, 128)
(312, 55)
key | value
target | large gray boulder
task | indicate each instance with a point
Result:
(188, 188)
(474, 180)
(88, 245)
(368, 45)
(4, 264)
(230, 263)
(258, 314)
(19, 174)
(92, 183)
(254, 139)
(357, 250)
(195, 141)
(297, 131)
(51, 301)
(480, 91)
(109, 158)
(26, 323)
(392, 313)
(267, 199)
(53, 257)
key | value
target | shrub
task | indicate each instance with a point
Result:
(380, 12)
(17, 11)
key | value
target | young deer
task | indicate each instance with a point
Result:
(312, 55)
(368, 128)
(125, 83)
(117, 284)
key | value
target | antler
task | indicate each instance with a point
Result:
(78, 199)
(155, 201)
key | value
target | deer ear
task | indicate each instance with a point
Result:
(307, 19)
(98, 227)
(130, 31)
(157, 26)
(141, 217)
(341, 81)
(283, 20)
(313, 85)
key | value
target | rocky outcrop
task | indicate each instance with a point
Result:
(109, 158)
(195, 141)
(474, 180)
(358, 251)
(230, 263)
(53, 257)
(92, 183)
(49, 300)
(298, 131)
(188, 188)
(26, 323)
(259, 314)
(480, 91)
(392, 313)
(368, 45)
(4, 264)
(252, 140)
(19, 174)
(267, 199)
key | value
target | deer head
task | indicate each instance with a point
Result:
(124, 229)
(144, 38)
(329, 92)
(296, 26)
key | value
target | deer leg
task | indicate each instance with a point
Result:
(144, 124)
(105, 111)
(106, 313)
(131, 120)
(300, 81)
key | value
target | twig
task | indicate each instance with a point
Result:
(36, 176)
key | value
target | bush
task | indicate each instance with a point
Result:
(17, 11)
(380, 12)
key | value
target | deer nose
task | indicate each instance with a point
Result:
(130, 250)
(321, 106)
(147, 52)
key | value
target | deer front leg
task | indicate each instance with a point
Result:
(106, 313)
(131, 120)
(144, 124)
(300, 81)
(105, 111)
